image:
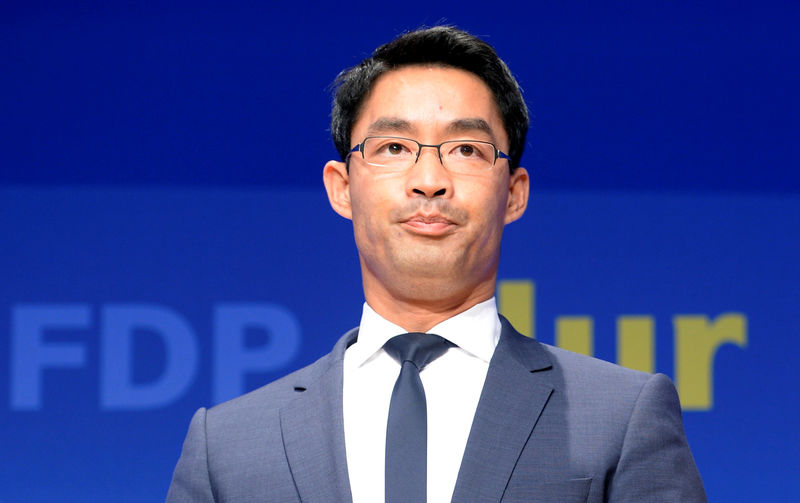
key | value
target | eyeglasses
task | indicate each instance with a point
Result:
(392, 153)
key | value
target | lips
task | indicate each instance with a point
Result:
(430, 225)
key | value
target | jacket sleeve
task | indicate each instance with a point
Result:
(655, 464)
(191, 481)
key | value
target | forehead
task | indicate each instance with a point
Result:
(427, 100)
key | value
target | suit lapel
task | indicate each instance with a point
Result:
(312, 426)
(513, 397)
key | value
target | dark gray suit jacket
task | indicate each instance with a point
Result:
(551, 426)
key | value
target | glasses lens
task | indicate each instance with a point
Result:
(468, 155)
(392, 153)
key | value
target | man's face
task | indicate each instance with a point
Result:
(428, 233)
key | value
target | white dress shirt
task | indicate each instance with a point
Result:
(453, 384)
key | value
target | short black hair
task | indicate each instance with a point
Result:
(441, 45)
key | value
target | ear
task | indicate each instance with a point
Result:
(518, 191)
(337, 184)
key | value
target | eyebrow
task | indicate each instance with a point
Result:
(471, 125)
(389, 125)
(385, 125)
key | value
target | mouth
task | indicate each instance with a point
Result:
(429, 225)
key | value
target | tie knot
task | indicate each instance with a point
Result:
(417, 348)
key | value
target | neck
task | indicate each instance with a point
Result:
(424, 308)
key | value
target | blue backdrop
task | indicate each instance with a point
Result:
(167, 244)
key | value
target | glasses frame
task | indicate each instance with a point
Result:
(498, 154)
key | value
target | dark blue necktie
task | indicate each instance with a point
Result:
(407, 427)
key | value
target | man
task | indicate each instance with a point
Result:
(431, 130)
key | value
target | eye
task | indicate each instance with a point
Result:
(469, 150)
(466, 150)
(388, 150)
(387, 147)
(394, 148)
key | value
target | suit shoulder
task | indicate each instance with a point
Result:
(594, 367)
(264, 403)
(271, 396)
(601, 399)
(588, 376)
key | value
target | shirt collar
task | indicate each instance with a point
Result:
(476, 331)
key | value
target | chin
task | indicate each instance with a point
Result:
(432, 279)
(430, 263)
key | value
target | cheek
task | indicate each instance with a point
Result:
(487, 201)
(368, 215)
(488, 210)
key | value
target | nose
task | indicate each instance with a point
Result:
(428, 177)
